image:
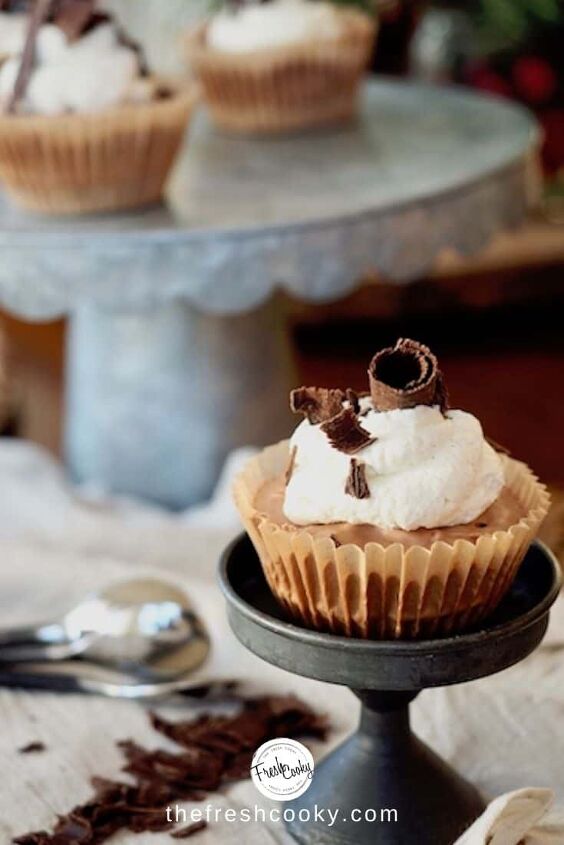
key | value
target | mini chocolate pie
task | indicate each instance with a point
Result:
(285, 87)
(68, 147)
(389, 514)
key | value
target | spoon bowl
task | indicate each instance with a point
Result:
(143, 627)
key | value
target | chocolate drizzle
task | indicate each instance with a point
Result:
(37, 18)
(406, 375)
(356, 484)
(345, 432)
(74, 18)
(317, 404)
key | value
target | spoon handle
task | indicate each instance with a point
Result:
(43, 642)
(38, 679)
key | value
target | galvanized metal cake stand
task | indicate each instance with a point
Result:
(383, 764)
(177, 350)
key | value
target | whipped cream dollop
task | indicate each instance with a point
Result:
(261, 26)
(13, 29)
(424, 470)
(87, 75)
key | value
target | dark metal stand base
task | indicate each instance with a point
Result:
(387, 786)
(383, 767)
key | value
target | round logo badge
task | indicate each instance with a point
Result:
(282, 769)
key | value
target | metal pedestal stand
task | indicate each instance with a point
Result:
(177, 350)
(383, 764)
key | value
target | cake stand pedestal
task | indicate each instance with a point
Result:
(383, 766)
(177, 350)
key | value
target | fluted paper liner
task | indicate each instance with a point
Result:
(77, 163)
(286, 88)
(387, 592)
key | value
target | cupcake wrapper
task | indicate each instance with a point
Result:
(288, 88)
(78, 163)
(387, 592)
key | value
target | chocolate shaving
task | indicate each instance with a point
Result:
(318, 404)
(291, 463)
(481, 525)
(74, 17)
(345, 433)
(32, 748)
(37, 17)
(336, 541)
(406, 375)
(503, 450)
(357, 485)
(352, 399)
(189, 830)
(215, 750)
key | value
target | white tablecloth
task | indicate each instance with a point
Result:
(503, 732)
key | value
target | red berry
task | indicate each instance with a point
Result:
(489, 80)
(553, 150)
(534, 79)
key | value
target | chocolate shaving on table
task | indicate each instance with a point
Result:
(345, 432)
(503, 450)
(406, 375)
(291, 463)
(32, 748)
(216, 749)
(318, 404)
(356, 484)
(38, 15)
(189, 830)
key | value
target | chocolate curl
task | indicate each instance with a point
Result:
(356, 484)
(318, 404)
(38, 15)
(406, 375)
(345, 433)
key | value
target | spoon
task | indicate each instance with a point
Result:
(75, 676)
(143, 627)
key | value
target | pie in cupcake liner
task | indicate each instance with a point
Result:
(284, 89)
(387, 592)
(79, 163)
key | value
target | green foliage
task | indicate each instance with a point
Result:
(508, 22)
(369, 6)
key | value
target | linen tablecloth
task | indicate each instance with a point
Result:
(503, 733)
